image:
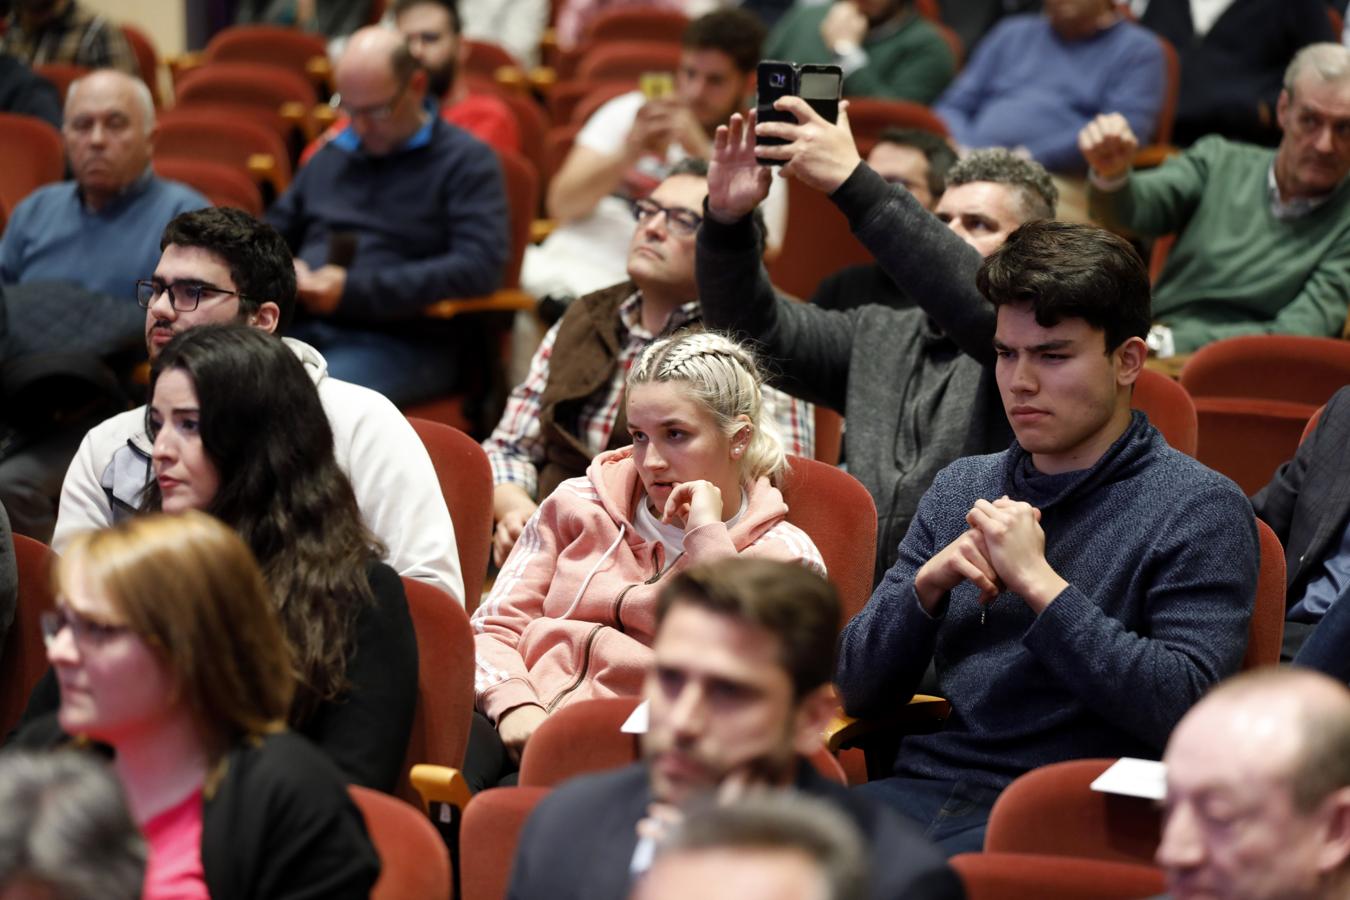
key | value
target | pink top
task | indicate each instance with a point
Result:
(174, 869)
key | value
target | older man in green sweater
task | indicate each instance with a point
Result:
(1263, 237)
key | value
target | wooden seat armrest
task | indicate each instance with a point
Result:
(1154, 155)
(922, 712)
(263, 167)
(540, 229)
(440, 784)
(324, 116)
(512, 77)
(504, 300)
(320, 71)
(180, 63)
(542, 78)
(297, 113)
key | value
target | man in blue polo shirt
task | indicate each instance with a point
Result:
(396, 212)
(101, 230)
(69, 261)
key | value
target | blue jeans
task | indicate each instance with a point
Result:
(1326, 648)
(405, 369)
(952, 814)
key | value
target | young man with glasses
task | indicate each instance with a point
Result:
(569, 407)
(398, 211)
(222, 265)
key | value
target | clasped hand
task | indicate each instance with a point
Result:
(1004, 549)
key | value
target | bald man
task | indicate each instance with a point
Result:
(1258, 791)
(101, 229)
(398, 211)
(69, 260)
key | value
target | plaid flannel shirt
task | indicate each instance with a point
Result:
(516, 449)
(75, 36)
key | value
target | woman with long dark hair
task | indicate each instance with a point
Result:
(240, 433)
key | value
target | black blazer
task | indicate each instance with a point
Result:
(1308, 500)
(579, 841)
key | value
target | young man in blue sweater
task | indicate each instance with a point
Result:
(1078, 592)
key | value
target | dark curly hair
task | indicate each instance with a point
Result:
(1036, 192)
(266, 433)
(259, 260)
(1070, 271)
(735, 32)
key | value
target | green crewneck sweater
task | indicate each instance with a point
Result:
(905, 59)
(1235, 268)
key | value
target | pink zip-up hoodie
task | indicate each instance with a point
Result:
(573, 612)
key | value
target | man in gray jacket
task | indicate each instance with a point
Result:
(916, 385)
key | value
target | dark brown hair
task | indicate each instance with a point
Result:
(267, 434)
(1068, 271)
(796, 605)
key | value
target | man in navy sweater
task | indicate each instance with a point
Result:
(1078, 592)
(396, 212)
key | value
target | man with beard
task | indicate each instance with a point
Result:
(432, 29)
(738, 694)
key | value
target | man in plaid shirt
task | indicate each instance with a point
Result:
(62, 31)
(570, 405)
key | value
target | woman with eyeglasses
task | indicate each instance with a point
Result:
(168, 650)
(572, 612)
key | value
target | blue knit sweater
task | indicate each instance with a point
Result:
(1027, 86)
(429, 220)
(51, 236)
(1161, 556)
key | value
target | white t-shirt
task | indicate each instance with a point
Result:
(652, 529)
(1204, 13)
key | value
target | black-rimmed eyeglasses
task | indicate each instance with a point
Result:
(183, 295)
(680, 221)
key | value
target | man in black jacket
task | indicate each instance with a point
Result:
(1307, 504)
(738, 695)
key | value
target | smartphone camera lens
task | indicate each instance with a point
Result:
(778, 79)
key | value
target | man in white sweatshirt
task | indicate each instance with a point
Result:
(222, 265)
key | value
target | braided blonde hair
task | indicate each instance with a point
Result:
(722, 375)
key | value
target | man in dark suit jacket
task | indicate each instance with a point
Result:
(1307, 503)
(738, 693)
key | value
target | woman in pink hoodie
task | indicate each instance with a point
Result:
(572, 613)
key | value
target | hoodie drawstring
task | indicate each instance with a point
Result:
(595, 568)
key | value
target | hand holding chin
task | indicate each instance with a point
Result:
(693, 503)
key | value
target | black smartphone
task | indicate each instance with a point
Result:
(819, 85)
(775, 79)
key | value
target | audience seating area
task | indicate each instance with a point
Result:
(233, 125)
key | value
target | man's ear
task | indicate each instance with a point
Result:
(266, 317)
(814, 712)
(1130, 358)
(1335, 850)
(1282, 108)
